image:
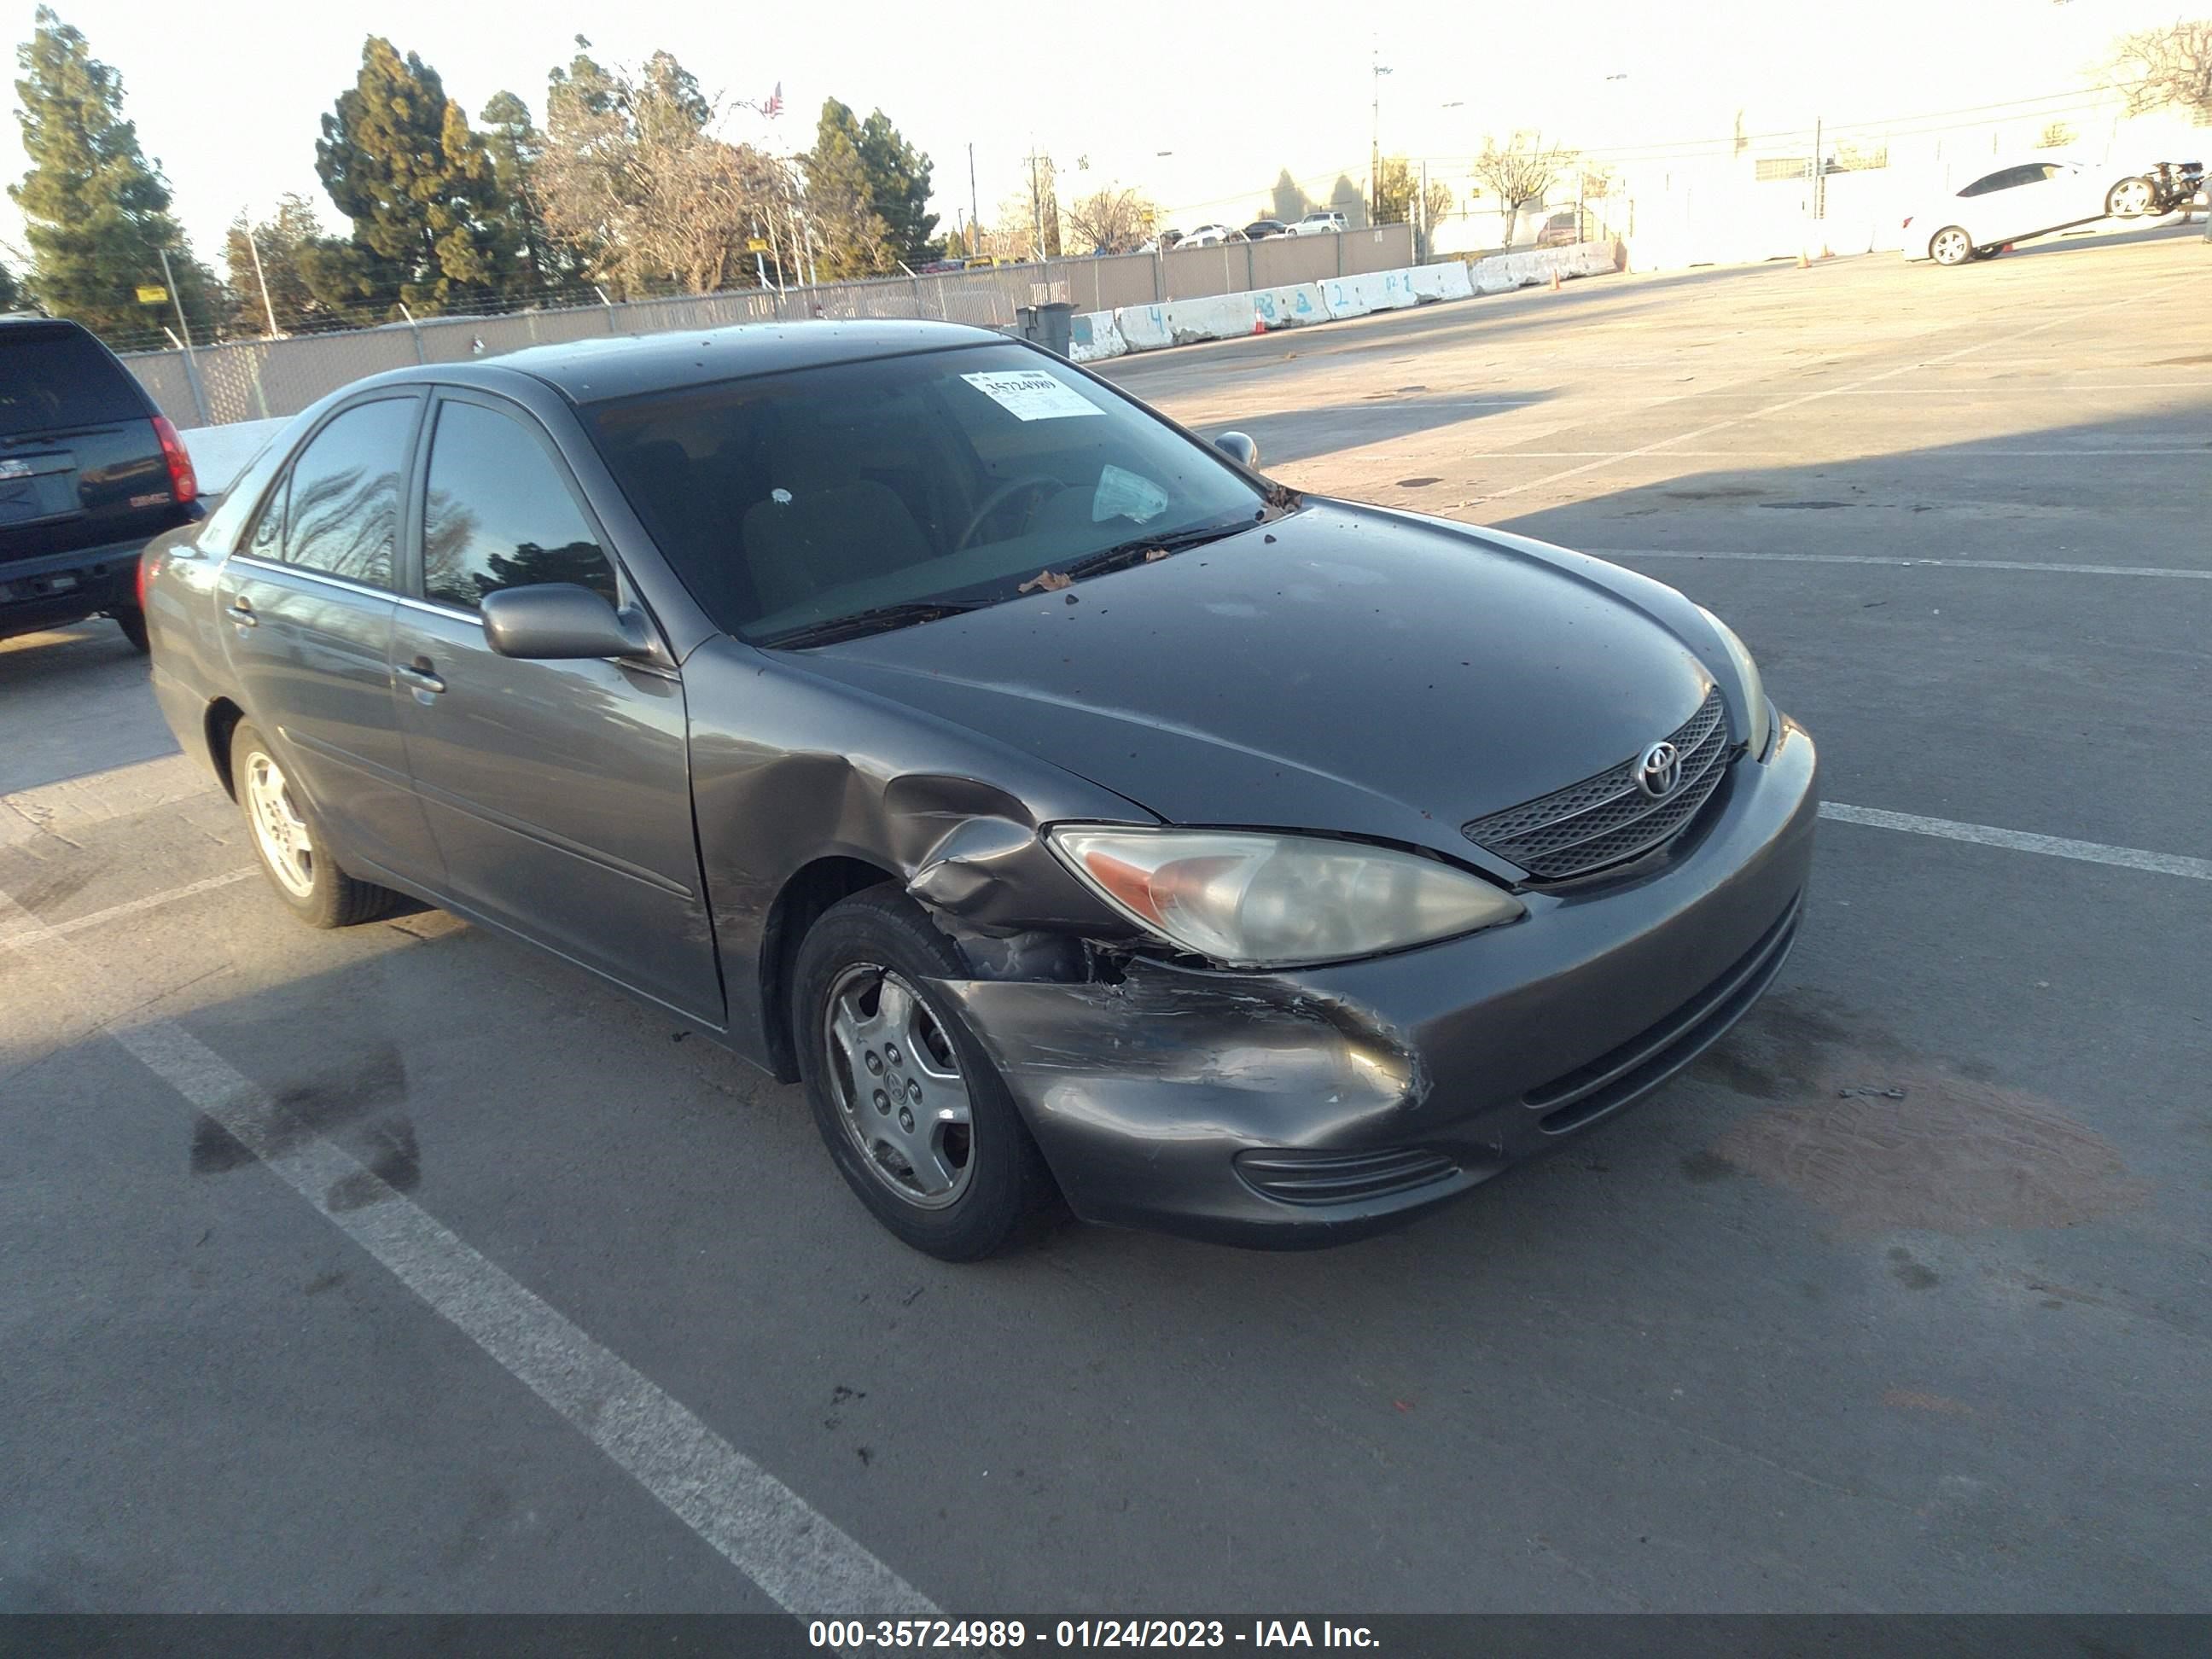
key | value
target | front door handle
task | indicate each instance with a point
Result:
(241, 612)
(422, 674)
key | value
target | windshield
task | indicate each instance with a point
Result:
(789, 501)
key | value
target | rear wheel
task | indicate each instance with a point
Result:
(132, 620)
(1951, 246)
(2130, 199)
(293, 855)
(913, 1112)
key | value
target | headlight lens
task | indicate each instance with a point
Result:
(1259, 900)
(1754, 691)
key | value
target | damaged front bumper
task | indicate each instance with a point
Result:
(1306, 1108)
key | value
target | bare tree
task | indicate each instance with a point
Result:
(1521, 171)
(2055, 134)
(1112, 221)
(2169, 65)
(633, 177)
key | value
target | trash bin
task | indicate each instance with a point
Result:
(1055, 323)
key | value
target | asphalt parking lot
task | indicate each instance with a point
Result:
(402, 1268)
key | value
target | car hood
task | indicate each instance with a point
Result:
(1342, 668)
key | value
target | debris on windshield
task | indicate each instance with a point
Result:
(1046, 581)
(1152, 553)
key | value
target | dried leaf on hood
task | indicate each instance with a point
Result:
(1046, 581)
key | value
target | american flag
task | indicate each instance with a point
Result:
(774, 107)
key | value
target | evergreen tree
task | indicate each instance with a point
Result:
(898, 188)
(287, 244)
(96, 211)
(517, 147)
(853, 238)
(11, 291)
(399, 159)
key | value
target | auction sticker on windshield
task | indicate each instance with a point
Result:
(1029, 394)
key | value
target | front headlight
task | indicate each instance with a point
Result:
(1248, 900)
(1754, 691)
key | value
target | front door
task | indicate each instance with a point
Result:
(560, 793)
(308, 606)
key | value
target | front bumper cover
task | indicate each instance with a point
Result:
(1187, 1101)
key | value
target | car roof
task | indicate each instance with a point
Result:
(623, 366)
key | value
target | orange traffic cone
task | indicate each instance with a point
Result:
(1259, 325)
(1802, 262)
(1555, 282)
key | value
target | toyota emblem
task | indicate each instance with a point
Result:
(1659, 771)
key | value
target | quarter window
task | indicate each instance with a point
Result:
(338, 509)
(500, 514)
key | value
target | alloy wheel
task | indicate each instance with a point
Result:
(2130, 199)
(278, 828)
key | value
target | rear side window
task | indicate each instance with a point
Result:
(60, 378)
(338, 509)
(500, 514)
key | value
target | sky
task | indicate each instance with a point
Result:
(1199, 107)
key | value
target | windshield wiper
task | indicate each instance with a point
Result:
(877, 619)
(1134, 552)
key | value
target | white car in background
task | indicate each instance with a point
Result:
(1318, 222)
(2021, 199)
(1211, 236)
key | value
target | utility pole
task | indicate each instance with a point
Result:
(975, 211)
(1036, 203)
(1820, 174)
(262, 277)
(1375, 144)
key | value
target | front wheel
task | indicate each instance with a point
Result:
(293, 855)
(132, 620)
(1951, 246)
(913, 1112)
(2130, 199)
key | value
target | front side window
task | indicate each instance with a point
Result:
(786, 501)
(338, 509)
(499, 514)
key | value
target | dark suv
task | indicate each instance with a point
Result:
(89, 473)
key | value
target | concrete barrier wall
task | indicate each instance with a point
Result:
(1101, 334)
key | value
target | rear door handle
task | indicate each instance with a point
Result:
(242, 613)
(422, 674)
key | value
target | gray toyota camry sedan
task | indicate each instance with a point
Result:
(1080, 816)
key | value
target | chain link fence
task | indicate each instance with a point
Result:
(255, 380)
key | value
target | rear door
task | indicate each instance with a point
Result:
(305, 608)
(81, 466)
(560, 793)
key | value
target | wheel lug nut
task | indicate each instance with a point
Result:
(875, 1062)
(906, 1120)
(914, 1091)
(883, 1101)
(890, 1052)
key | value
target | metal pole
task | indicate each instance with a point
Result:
(975, 209)
(1819, 171)
(192, 361)
(262, 277)
(1036, 202)
(417, 329)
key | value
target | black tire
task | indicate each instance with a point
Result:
(332, 898)
(132, 620)
(1007, 1185)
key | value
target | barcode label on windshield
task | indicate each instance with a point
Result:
(1028, 394)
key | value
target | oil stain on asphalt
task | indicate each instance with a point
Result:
(1884, 1139)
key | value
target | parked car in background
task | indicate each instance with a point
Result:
(90, 471)
(1259, 229)
(1559, 231)
(1160, 243)
(1318, 222)
(913, 712)
(2024, 198)
(1212, 236)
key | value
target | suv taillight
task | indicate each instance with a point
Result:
(182, 484)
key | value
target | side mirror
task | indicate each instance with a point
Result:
(557, 621)
(1238, 448)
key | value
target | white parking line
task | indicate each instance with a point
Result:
(805, 1563)
(1897, 563)
(2021, 841)
(23, 937)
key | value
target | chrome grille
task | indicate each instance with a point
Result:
(1607, 819)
